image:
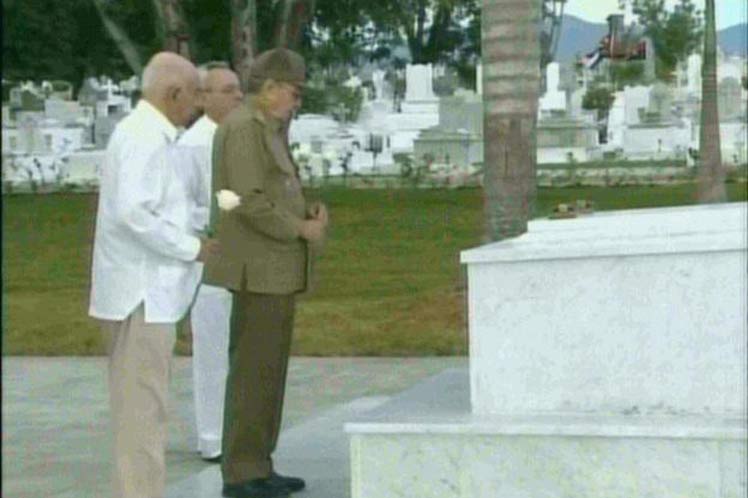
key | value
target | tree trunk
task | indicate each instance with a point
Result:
(126, 46)
(175, 32)
(296, 14)
(281, 30)
(414, 30)
(511, 80)
(711, 172)
(303, 13)
(159, 23)
(243, 37)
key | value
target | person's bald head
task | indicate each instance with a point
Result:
(170, 83)
(220, 90)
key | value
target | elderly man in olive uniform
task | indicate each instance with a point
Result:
(265, 261)
(220, 93)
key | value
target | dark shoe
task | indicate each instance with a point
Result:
(293, 484)
(256, 488)
(215, 459)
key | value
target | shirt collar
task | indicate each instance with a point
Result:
(204, 123)
(208, 120)
(163, 123)
(208, 123)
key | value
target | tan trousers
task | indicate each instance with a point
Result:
(139, 369)
(259, 345)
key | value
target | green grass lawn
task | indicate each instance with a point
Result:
(389, 282)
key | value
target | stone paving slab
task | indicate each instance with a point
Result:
(316, 450)
(55, 415)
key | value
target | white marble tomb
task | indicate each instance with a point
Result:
(607, 359)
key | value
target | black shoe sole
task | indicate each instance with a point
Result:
(254, 495)
(238, 493)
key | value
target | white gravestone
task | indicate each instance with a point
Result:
(378, 80)
(419, 83)
(419, 110)
(554, 98)
(479, 79)
(636, 101)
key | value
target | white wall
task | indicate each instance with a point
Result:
(84, 166)
(650, 142)
(547, 155)
(733, 141)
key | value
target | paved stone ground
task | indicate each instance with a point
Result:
(55, 441)
(317, 449)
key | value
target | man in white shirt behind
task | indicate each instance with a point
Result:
(144, 275)
(220, 93)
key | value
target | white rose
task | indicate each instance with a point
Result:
(227, 200)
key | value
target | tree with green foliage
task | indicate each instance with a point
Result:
(626, 73)
(675, 34)
(92, 37)
(48, 39)
(600, 98)
(345, 34)
(470, 50)
(118, 35)
(433, 30)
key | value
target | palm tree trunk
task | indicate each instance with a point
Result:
(511, 86)
(711, 172)
(243, 37)
(127, 48)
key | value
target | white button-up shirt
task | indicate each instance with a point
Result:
(145, 246)
(198, 142)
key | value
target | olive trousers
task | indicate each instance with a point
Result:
(259, 346)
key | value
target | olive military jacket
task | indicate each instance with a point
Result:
(260, 247)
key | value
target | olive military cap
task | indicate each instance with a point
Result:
(278, 64)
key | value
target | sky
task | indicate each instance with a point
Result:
(729, 12)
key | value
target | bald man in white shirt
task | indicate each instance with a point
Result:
(144, 275)
(220, 93)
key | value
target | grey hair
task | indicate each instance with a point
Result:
(204, 69)
(149, 77)
(163, 67)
